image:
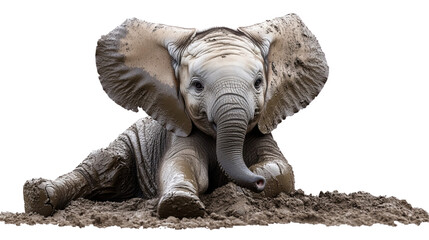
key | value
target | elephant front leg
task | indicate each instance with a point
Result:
(278, 174)
(182, 177)
(45, 196)
(267, 160)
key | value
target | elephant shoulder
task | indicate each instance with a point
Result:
(148, 130)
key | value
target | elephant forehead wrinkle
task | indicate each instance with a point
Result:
(219, 43)
(233, 66)
(239, 68)
(221, 48)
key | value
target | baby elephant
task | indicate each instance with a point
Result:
(213, 96)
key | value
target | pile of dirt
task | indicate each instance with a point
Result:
(231, 206)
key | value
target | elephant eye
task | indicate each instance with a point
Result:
(198, 86)
(258, 83)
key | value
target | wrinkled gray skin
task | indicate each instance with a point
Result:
(219, 93)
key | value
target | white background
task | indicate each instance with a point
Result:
(367, 131)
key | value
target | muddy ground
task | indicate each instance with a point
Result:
(231, 206)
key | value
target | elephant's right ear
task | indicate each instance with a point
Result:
(296, 67)
(135, 62)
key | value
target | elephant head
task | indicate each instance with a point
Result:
(224, 82)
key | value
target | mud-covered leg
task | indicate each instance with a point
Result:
(266, 159)
(45, 196)
(183, 176)
(106, 174)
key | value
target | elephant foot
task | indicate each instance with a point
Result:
(38, 197)
(180, 204)
(279, 177)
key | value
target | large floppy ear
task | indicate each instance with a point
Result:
(295, 64)
(135, 62)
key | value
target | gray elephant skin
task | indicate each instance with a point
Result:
(213, 97)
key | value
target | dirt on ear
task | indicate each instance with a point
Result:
(231, 205)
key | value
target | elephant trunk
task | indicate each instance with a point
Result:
(232, 121)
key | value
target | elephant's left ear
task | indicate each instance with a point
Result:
(136, 65)
(296, 67)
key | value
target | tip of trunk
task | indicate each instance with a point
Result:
(246, 178)
(260, 184)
